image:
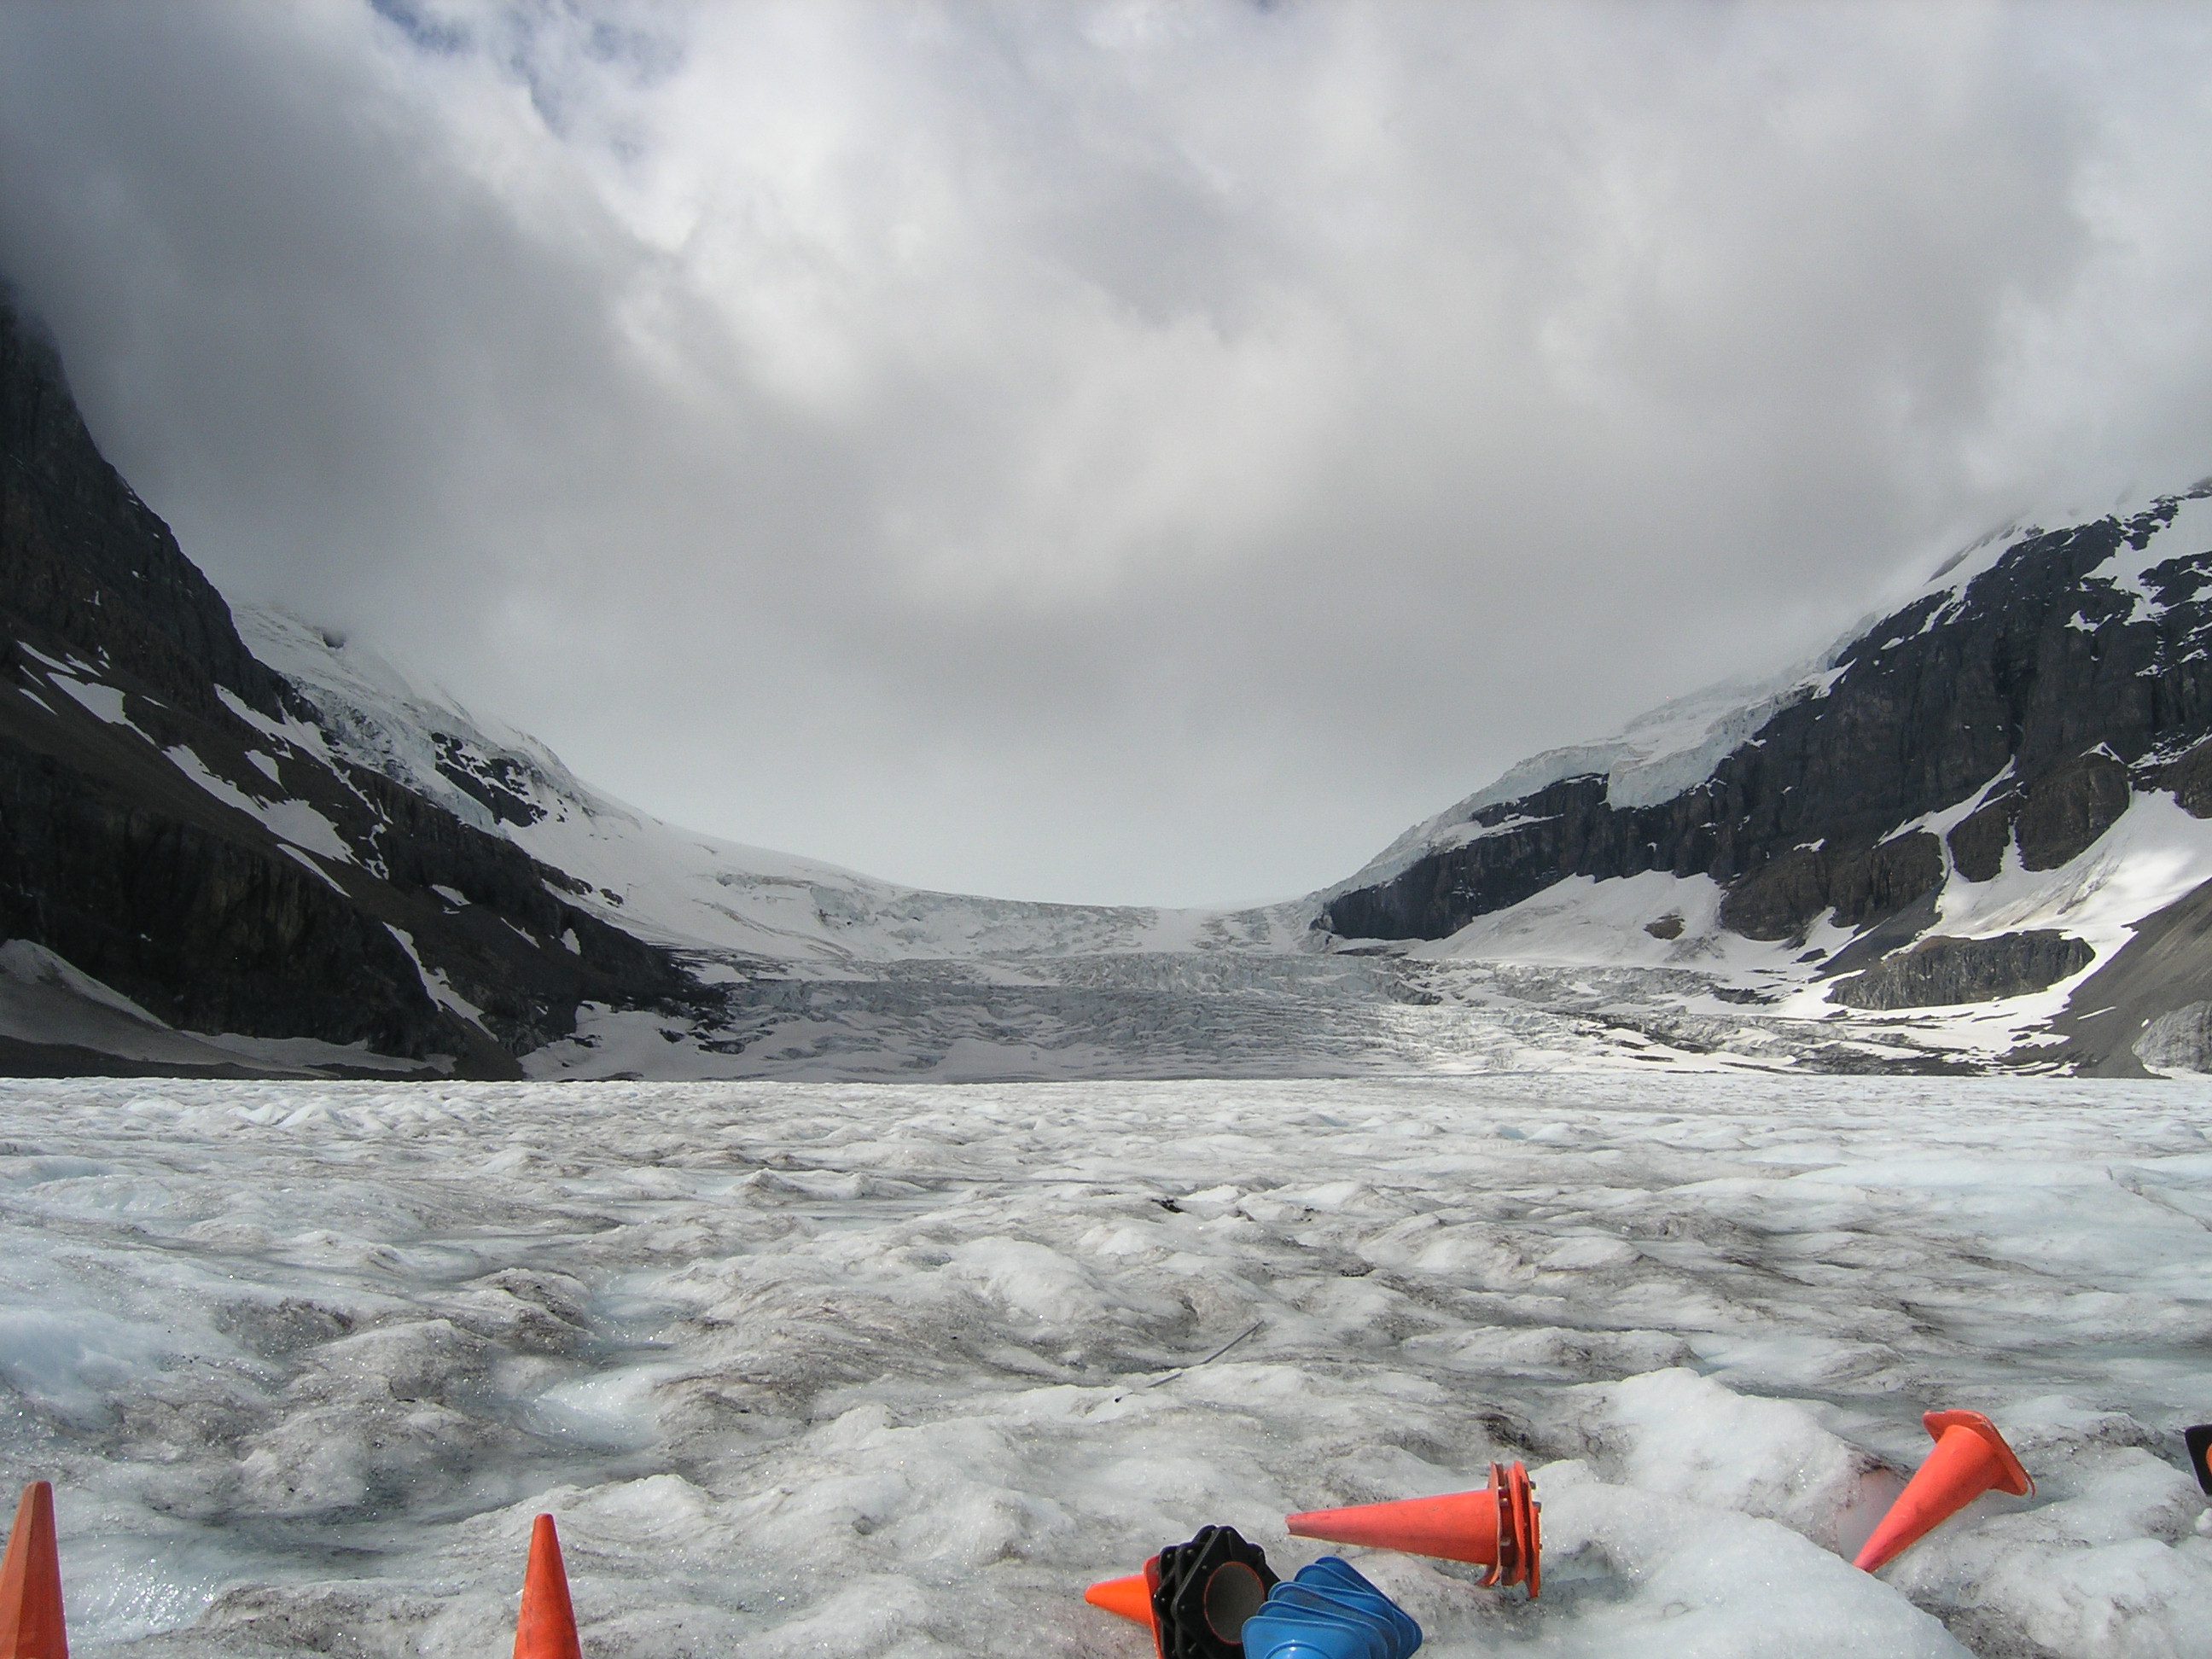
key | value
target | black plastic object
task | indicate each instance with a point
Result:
(2199, 1442)
(1204, 1591)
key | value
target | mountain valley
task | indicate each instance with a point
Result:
(1969, 837)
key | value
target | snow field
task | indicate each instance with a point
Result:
(878, 1370)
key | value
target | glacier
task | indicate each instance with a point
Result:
(896, 1369)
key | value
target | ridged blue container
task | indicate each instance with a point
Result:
(1329, 1612)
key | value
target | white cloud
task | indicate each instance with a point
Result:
(1115, 450)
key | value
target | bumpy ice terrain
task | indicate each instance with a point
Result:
(878, 1370)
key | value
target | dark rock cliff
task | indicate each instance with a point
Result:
(85, 564)
(1938, 971)
(144, 778)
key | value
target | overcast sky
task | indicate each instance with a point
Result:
(1127, 452)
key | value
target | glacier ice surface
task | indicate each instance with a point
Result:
(897, 1369)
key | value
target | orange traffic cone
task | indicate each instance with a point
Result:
(1970, 1458)
(547, 1626)
(1130, 1597)
(1500, 1528)
(31, 1581)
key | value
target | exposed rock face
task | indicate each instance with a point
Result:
(2052, 821)
(2179, 1040)
(170, 826)
(2189, 778)
(1860, 887)
(1938, 971)
(2070, 689)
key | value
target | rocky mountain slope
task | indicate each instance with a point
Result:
(1993, 795)
(175, 829)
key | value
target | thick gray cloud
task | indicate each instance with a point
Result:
(1108, 452)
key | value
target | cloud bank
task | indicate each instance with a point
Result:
(1109, 451)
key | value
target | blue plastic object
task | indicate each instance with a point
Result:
(1337, 1577)
(1329, 1612)
(1296, 1633)
(1310, 1615)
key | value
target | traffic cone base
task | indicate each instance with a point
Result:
(2199, 1442)
(2010, 1477)
(31, 1625)
(546, 1628)
(1499, 1527)
(1203, 1591)
(1970, 1458)
(1520, 1530)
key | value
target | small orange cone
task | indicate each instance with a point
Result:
(31, 1581)
(547, 1626)
(1970, 1458)
(1500, 1528)
(1130, 1597)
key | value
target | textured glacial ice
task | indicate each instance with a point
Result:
(896, 1370)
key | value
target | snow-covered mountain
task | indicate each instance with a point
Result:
(1983, 813)
(1967, 836)
(182, 837)
(716, 900)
